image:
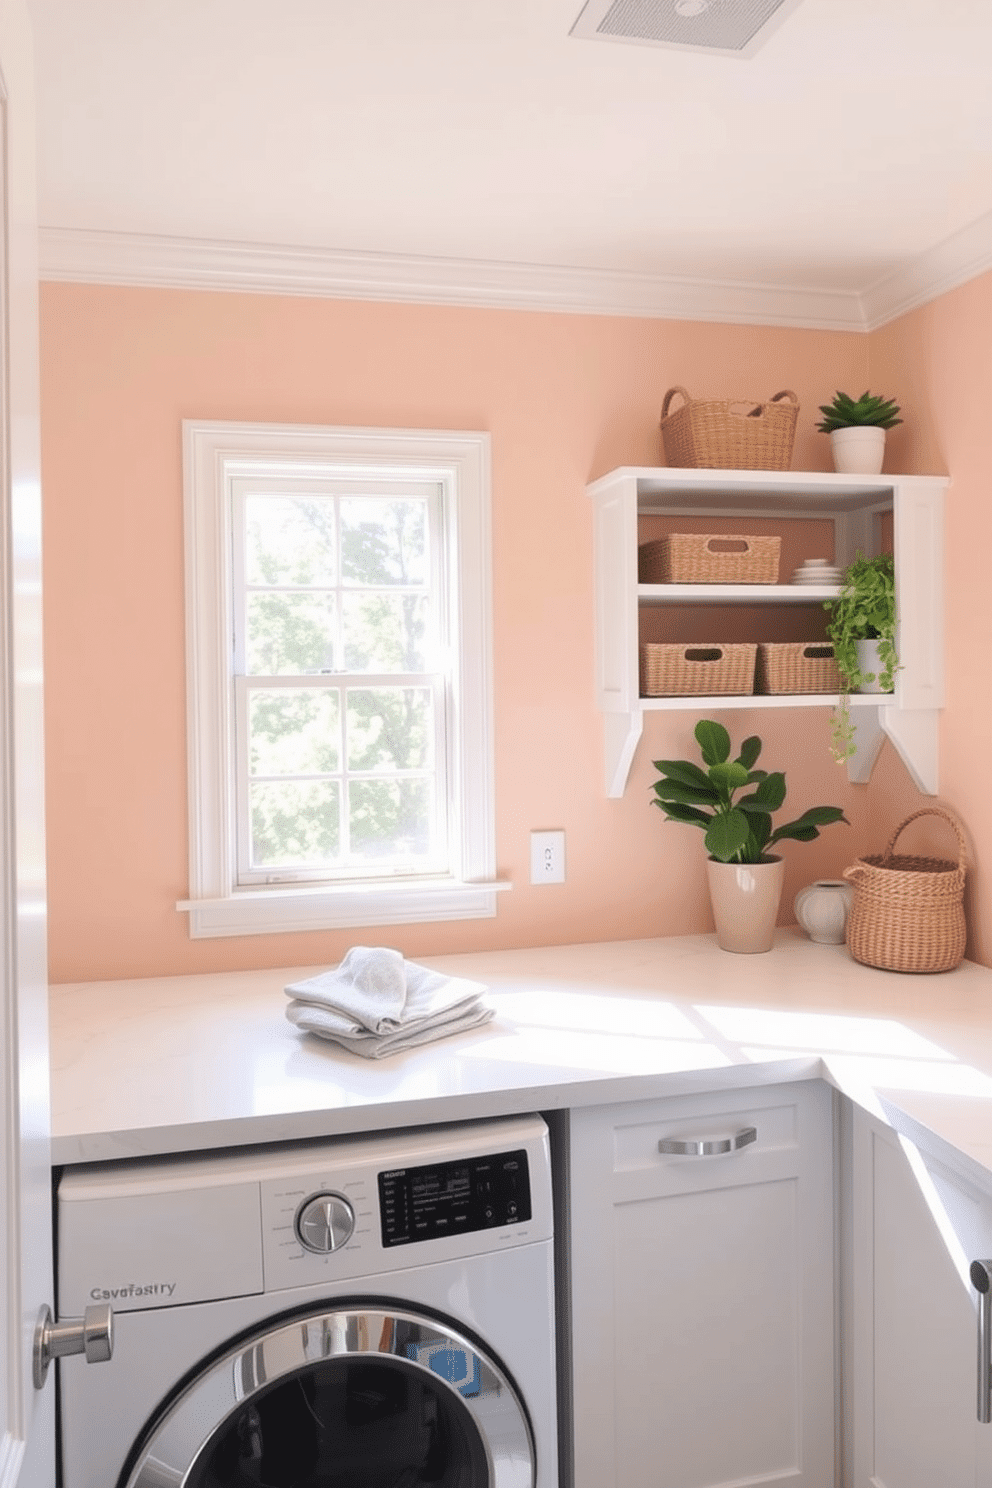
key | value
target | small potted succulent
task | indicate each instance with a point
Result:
(857, 431)
(862, 626)
(745, 879)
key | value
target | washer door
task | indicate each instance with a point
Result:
(355, 1398)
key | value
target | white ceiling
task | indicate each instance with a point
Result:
(445, 140)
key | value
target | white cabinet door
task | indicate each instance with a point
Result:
(912, 1400)
(703, 1292)
(27, 1434)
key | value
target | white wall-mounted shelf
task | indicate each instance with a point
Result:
(742, 594)
(856, 505)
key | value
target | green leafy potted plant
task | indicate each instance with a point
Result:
(745, 879)
(857, 431)
(862, 626)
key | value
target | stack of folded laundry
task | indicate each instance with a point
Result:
(375, 1003)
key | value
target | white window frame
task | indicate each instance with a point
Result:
(215, 454)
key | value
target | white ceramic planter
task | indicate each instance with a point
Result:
(745, 899)
(858, 450)
(822, 909)
(870, 663)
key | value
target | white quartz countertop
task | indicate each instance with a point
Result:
(175, 1064)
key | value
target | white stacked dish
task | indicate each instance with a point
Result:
(817, 571)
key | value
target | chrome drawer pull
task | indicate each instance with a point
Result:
(981, 1280)
(708, 1146)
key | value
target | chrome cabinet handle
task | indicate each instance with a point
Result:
(981, 1280)
(92, 1335)
(709, 1146)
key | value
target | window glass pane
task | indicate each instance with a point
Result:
(390, 728)
(383, 541)
(385, 632)
(294, 823)
(390, 818)
(290, 633)
(289, 540)
(293, 731)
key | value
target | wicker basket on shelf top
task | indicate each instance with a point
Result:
(908, 912)
(729, 433)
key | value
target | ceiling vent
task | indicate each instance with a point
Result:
(728, 28)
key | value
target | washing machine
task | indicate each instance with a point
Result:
(369, 1312)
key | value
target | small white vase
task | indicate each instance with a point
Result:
(858, 450)
(822, 909)
(745, 899)
(870, 664)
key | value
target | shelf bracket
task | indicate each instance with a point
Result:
(621, 732)
(915, 734)
(913, 731)
(869, 737)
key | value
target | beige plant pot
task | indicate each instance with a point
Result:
(745, 899)
(858, 450)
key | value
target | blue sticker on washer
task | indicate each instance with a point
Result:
(458, 1366)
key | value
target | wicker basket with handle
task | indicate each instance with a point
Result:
(698, 670)
(709, 558)
(729, 433)
(908, 912)
(796, 666)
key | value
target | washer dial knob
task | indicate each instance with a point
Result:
(325, 1222)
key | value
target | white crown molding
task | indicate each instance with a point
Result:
(79, 256)
(962, 256)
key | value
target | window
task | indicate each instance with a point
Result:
(338, 677)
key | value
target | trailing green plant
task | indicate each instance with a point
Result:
(738, 828)
(865, 610)
(845, 412)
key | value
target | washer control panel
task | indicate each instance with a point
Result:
(154, 1234)
(325, 1222)
(448, 1198)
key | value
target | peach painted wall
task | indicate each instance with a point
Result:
(938, 362)
(565, 399)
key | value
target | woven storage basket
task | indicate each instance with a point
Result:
(729, 433)
(908, 913)
(796, 666)
(694, 558)
(697, 670)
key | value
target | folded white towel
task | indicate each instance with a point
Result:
(368, 988)
(326, 1024)
(375, 1003)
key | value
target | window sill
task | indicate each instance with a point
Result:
(282, 911)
